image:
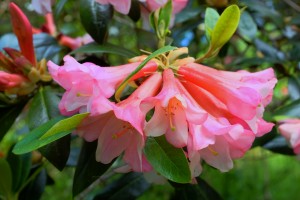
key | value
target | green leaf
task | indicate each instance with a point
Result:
(88, 169)
(167, 160)
(45, 46)
(20, 167)
(211, 18)
(8, 117)
(130, 186)
(48, 132)
(105, 48)
(247, 27)
(5, 179)
(95, 18)
(44, 106)
(287, 111)
(59, 6)
(279, 145)
(200, 191)
(294, 87)
(153, 55)
(225, 27)
(165, 17)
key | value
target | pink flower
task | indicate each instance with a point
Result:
(172, 112)
(42, 6)
(120, 6)
(80, 81)
(290, 129)
(238, 96)
(119, 127)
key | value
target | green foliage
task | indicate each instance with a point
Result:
(48, 132)
(167, 160)
(5, 180)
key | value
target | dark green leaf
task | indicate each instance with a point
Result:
(211, 18)
(95, 18)
(268, 50)
(88, 169)
(167, 160)
(294, 87)
(279, 145)
(290, 110)
(260, 141)
(5, 180)
(247, 27)
(105, 48)
(128, 187)
(59, 6)
(44, 106)
(45, 46)
(48, 132)
(36, 187)
(20, 167)
(200, 191)
(8, 116)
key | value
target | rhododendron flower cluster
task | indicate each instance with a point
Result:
(290, 129)
(215, 115)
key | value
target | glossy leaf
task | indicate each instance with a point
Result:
(279, 145)
(167, 160)
(294, 87)
(48, 132)
(225, 26)
(247, 27)
(153, 55)
(8, 117)
(6, 179)
(20, 167)
(287, 111)
(211, 18)
(130, 186)
(199, 191)
(95, 18)
(44, 106)
(88, 169)
(105, 48)
(35, 187)
(45, 46)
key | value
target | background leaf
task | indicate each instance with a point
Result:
(291, 110)
(6, 179)
(199, 191)
(167, 160)
(88, 169)
(130, 186)
(247, 27)
(105, 48)
(95, 18)
(8, 117)
(294, 87)
(211, 18)
(45, 46)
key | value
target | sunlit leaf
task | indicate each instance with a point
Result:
(48, 132)
(167, 160)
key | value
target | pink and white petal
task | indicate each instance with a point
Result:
(200, 137)
(218, 155)
(158, 124)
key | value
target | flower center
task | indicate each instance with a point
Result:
(214, 152)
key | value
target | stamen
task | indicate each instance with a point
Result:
(119, 134)
(82, 95)
(214, 152)
(170, 113)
